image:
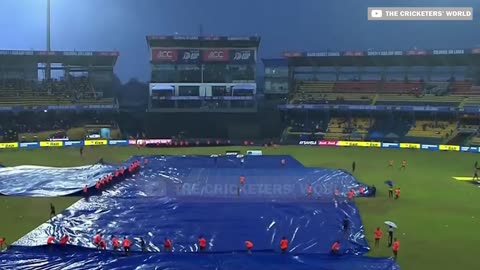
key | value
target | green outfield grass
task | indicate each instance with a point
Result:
(438, 217)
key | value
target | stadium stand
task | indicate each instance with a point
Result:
(357, 86)
(472, 101)
(361, 127)
(475, 140)
(356, 92)
(333, 98)
(427, 100)
(348, 128)
(50, 92)
(464, 88)
(316, 86)
(427, 129)
(412, 87)
(336, 129)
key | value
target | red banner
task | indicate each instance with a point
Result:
(162, 55)
(215, 55)
(327, 143)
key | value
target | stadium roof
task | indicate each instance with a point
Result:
(203, 41)
(449, 57)
(72, 58)
(275, 62)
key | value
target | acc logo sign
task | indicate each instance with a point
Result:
(216, 55)
(243, 55)
(164, 55)
(191, 55)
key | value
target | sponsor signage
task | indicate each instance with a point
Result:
(164, 55)
(8, 145)
(95, 142)
(254, 153)
(117, 142)
(78, 53)
(189, 56)
(327, 143)
(444, 147)
(410, 145)
(429, 147)
(242, 56)
(475, 51)
(384, 53)
(390, 145)
(307, 142)
(322, 54)
(13, 52)
(51, 144)
(359, 143)
(232, 153)
(159, 141)
(58, 139)
(29, 145)
(215, 56)
(417, 52)
(73, 143)
(353, 53)
(152, 141)
(292, 54)
(443, 52)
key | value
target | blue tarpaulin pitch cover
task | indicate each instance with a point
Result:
(182, 198)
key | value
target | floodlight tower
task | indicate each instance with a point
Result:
(48, 66)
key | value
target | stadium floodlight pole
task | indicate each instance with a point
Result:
(48, 67)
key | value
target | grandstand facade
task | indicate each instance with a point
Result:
(77, 89)
(205, 87)
(195, 74)
(83, 80)
(415, 95)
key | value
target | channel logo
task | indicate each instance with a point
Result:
(376, 13)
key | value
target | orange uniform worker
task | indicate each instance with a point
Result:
(3, 241)
(397, 193)
(97, 185)
(64, 240)
(126, 245)
(284, 244)
(202, 243)
(378, 235)
(335, 248)
(103, 244)
(51, 240)
(350, 194)
(115, 243)
(97, 239)
(309, 190)
(167, 245)
(395, 248)
(404, 164)
(249, 246)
